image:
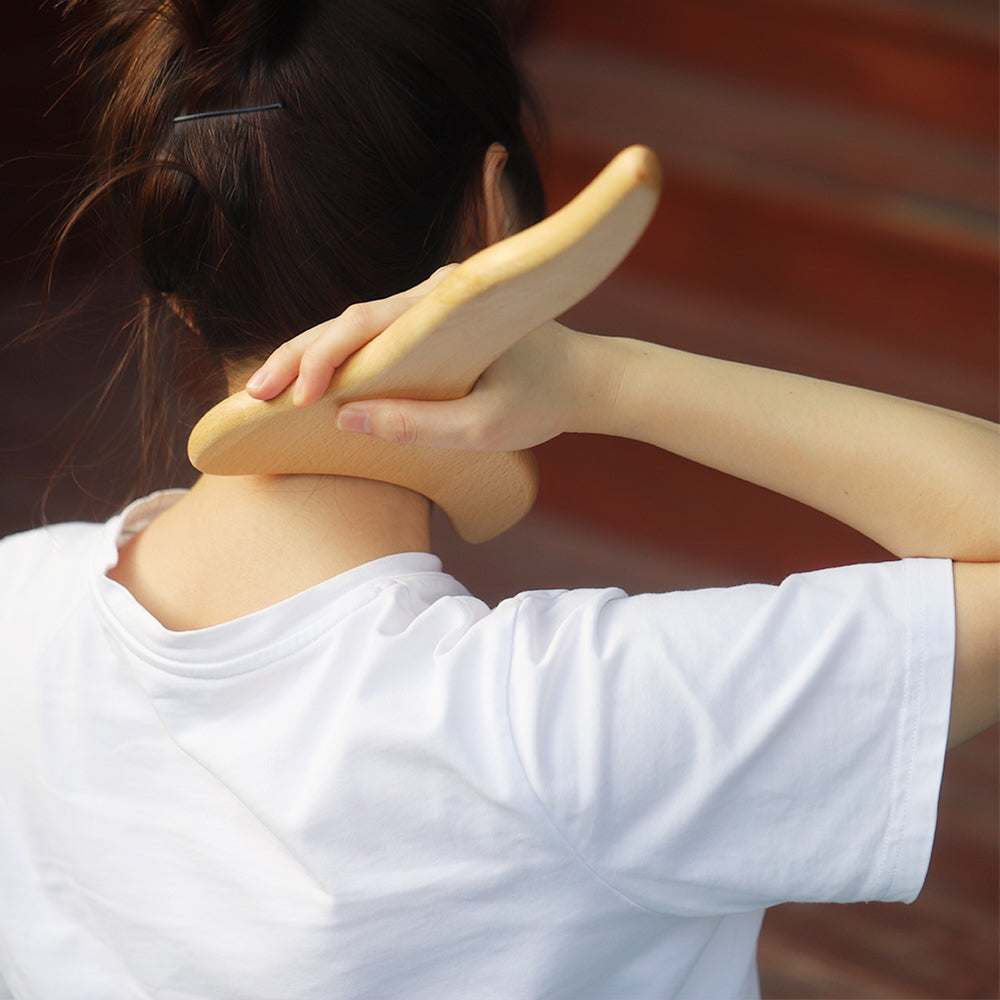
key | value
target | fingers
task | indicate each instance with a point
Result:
(526, 397)
(310, 359)
(281, 367)
(336, 341)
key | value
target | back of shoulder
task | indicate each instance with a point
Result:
(44, 562)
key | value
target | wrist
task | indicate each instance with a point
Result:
(599, 367)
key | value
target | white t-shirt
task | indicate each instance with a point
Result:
(383, 788)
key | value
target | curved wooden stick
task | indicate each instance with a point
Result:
(437, 350)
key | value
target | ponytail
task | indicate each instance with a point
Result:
(248, 227)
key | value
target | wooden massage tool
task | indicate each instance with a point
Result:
(437, 350)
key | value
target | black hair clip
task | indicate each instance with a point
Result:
(227, 111)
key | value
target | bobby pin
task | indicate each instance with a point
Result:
(227, 111)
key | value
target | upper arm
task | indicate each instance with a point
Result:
(976, 694)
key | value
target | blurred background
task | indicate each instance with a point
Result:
(829, 207)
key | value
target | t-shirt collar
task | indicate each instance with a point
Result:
(255, 639)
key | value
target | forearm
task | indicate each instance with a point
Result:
(917, 479)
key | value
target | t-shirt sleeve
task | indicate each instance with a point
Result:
(715, 751)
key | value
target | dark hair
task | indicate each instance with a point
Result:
(254, 227)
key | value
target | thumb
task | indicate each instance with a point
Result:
(413, 422)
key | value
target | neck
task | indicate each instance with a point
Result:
(238, 544)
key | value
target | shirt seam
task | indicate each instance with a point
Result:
(887, 863)
(911, 719)
(561, 836)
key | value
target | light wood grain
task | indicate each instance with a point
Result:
(437, 350)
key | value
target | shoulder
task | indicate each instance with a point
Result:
(51, 543)
(787, 614)
(726, 652)
(45, 561)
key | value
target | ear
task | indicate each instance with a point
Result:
(497, 218)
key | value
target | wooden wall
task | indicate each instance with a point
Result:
(829, 207)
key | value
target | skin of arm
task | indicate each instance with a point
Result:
(917, 479)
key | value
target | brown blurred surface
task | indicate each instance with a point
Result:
(829, 207)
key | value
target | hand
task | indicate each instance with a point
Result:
(310, 359)
(527, 396)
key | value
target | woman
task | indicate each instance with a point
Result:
(265, 748)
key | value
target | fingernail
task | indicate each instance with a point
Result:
(257, 380)
(354, 420)
(298, 393)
